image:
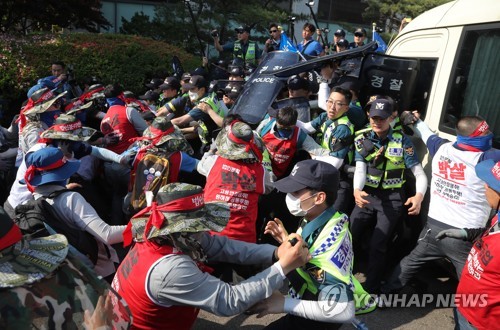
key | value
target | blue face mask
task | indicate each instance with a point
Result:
(482, 143)
(49, 117)
(284, 133)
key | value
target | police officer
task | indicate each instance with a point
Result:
(311, 190)
(382, 155)
(243, 48)
(335, 132)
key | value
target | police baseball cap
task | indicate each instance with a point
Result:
(343, 43)
(235, 70)
(154, 83)
(340, 32)
(489, 171)
(381, 108)
(196, 82)
(296, 83)
(360, 30)
(242, 28)
(313, 174)
(170, 83)
(150, 96)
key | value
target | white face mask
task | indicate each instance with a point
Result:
(293, 204)
(193, 96)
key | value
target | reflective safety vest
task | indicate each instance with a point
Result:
(214, 104)
(249, 57)
(331, 252)
(388, 172)
(325, 137)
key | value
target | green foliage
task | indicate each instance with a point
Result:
(388, 13)
(23, 16)
(128, 60)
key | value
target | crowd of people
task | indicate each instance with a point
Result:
(125, 210)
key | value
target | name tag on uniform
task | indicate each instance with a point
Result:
(395, 152)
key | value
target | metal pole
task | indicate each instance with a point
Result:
(310, 4)
(202, 48)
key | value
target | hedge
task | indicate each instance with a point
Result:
(129, 60)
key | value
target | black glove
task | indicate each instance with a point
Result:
(408, 118)
(452, 233)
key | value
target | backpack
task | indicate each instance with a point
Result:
(32, 215)
(151, 173)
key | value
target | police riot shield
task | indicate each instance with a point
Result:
(388, 75)
(261, 89)
(270, 77)
(301, 104)
(256, 98)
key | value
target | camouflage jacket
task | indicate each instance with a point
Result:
(59, 301)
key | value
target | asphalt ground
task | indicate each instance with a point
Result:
(433, 279)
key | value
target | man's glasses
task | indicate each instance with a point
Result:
(359, 35)
(336, 103)
(273, 31)
(239, 32)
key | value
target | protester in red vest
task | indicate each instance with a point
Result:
(127, 123)
(164, 279)
(478, 298)
(235, 175)
(283, 139)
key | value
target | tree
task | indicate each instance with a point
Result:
(23, 16)
(388, 13)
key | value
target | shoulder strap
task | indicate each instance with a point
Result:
(305, 46)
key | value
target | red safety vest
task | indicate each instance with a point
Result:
(240, 185)
(281, 151)
(478, 297)
(131, 281)
(116, 120)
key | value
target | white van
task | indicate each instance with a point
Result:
(458, 47)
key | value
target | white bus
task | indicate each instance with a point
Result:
(458, 47)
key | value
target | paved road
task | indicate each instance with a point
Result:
(413, 318)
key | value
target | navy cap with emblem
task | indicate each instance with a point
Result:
(381, 108)
(313, 174)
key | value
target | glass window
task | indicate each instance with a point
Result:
(474, 88)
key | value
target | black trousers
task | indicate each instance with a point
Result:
(381, 216)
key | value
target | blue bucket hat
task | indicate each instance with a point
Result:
(48, 165)
(489, 172)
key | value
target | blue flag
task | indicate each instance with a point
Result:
(286, 44)
(382, 46)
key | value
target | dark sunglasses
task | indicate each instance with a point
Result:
(273, 31)
(240, 31)
(359, 35)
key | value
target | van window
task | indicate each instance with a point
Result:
(474, 87)
(423, 86)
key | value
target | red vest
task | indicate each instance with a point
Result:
(481, 281)
(281, 151)
(131, 281)
(116, 120)
(240, 185)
